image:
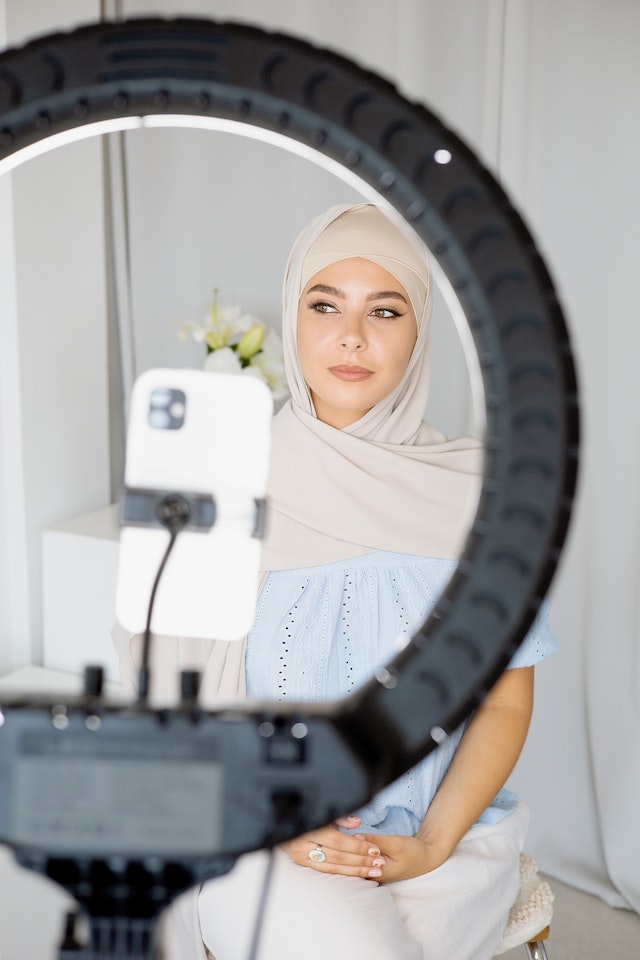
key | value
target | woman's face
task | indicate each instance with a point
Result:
(356, 333)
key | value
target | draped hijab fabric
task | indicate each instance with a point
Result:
(389, 481)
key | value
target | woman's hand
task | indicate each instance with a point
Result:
(344, 854)
(370, 856)
(406, 857)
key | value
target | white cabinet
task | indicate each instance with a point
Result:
(79, 572)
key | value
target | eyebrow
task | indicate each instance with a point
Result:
(378, 295)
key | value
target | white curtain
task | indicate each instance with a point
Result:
(579, 187)
(548, 92)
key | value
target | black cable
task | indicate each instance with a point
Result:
(262, 906)
(173, 512)
(288, 822)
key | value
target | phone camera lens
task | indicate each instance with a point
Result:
(167, 407)
(159, 418)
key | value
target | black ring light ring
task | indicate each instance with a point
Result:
(151, 68)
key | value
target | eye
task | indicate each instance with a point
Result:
(321, 306)
(385, 313)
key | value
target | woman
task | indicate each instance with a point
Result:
(369, 509)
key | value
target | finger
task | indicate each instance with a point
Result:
(345, 858)
(373, 847)
(349, 823)
(329, 859)
(344, 870)
(353, 843)
(389, 842)
(336, 846)
(348, 866)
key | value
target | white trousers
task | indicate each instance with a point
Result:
(456, 912)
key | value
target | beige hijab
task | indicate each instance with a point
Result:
(390, 481)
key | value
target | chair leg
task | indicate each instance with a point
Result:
(536, 950)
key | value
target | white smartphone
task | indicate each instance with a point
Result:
(201, 436)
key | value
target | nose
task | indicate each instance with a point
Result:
(353, 333)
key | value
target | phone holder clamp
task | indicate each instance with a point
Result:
(198, 512)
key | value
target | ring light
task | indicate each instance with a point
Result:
(115, 76)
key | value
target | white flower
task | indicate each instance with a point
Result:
(251, 342)
(230, 322)
(238, 342)
(254, 371)
(187, 330)
(224, 360)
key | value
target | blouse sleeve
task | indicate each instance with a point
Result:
(539, 642)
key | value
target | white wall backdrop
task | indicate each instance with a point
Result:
(548, 93)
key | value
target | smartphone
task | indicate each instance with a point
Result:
(204, 438)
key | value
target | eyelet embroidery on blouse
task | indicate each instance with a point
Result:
(402, 613)
(346, 631)
(284, 656)
(284, 647)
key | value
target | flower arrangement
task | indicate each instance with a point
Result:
(238, 342)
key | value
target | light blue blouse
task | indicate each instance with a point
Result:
(321, 632)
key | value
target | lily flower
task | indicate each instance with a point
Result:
(251, 342)
(238, 342)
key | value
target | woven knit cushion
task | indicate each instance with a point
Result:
(533, 909)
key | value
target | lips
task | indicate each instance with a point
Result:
(351, 373)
